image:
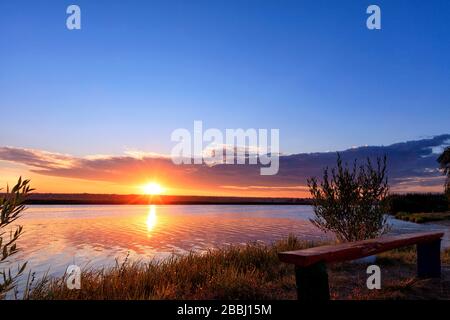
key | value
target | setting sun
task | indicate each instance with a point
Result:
(153, 188)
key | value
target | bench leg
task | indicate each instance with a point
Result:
(429, 259)
(312, 282)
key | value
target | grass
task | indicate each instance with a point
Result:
(241, 272)
(423, 216)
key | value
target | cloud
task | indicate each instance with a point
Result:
(267, 188)
(36, 158)
(411, 166)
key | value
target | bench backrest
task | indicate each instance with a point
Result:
(355, 250)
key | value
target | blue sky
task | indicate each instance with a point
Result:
(137, 70)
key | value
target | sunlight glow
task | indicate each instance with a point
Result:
(153, 188)
(151, 218)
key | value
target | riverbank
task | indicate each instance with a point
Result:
(423, 216)
(244, 272)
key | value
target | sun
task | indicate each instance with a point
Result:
(152, 188)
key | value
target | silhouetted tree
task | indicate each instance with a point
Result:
(444, 162)
(351, 202)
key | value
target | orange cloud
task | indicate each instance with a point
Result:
(412, 167)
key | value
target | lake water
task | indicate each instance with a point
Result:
(57, 236)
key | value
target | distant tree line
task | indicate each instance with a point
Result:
(417, 202)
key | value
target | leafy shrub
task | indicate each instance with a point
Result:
(351, 202)
(11, 206)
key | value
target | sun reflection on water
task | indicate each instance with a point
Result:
(151, 217)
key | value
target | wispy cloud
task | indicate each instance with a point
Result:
(37, 158)
(268, 188)
(412, 165)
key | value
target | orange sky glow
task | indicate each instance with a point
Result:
(48, 184)
(171, 186)
(156, 174)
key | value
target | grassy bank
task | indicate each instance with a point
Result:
(423, 216)
(419, 208)
(243, 272)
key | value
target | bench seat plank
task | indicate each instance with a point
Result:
(355, 250)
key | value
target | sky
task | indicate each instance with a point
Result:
(138, 70)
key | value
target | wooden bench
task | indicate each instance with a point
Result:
(311, 264)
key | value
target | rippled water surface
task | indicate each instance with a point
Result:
(57, 236)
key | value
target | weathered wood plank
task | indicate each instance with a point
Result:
(355, 250)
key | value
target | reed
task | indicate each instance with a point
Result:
(252, 272)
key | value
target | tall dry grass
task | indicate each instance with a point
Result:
(252, 271)
(238, 272)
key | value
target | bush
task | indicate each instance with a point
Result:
(352, 202)
(11, 206)
(415, 203)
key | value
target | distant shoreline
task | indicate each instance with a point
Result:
(114, 199)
